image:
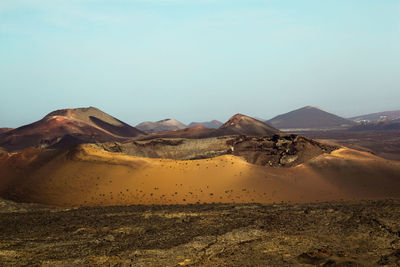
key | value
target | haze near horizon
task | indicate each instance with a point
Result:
(197, 60)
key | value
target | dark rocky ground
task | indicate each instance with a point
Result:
(275, 150)
(365, 233)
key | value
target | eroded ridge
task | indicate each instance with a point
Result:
(276, 150)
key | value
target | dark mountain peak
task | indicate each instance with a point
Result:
(70, 112)
(237, 118)
(165, 120)
(241, 119)
(311, 107)
(309, 117)
(242, 124)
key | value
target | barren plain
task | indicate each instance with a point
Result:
(363, 233)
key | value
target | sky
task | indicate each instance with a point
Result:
(197, 60)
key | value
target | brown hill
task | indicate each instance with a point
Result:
(97, 118)
(242, 124)
(68, 126)
(388, 115)
(89, 176)
(214, 124)
(309, 118)
(160, 126)
(3, 130)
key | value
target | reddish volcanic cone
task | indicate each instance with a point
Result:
(242, 124)
(68, 126)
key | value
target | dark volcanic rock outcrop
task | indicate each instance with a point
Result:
(363, 233)
(276, 150)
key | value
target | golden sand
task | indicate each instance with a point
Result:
(92, 177)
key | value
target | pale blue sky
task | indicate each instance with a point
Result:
(196, 60)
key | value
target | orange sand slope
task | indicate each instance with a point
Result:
(89, 176)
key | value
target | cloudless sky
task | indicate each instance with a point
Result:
(197, 60)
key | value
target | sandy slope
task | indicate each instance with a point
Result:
(90, 176)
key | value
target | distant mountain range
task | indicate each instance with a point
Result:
(237, 125)
(377, 125)
(309, 118)
(67, 127)
(388, 115)
(379, 121)
(90, 125)
(214, 124)
(160, 126)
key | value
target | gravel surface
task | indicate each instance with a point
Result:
(365, 233)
